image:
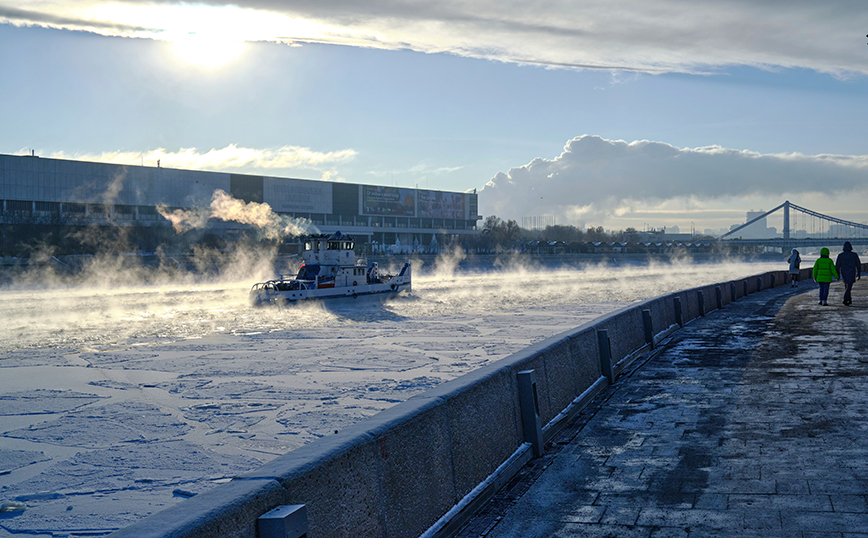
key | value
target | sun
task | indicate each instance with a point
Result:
(208, 53)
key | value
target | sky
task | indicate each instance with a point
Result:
(614, 113)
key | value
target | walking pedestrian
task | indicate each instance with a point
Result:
(795, 262)
(850, 269)
(824, 273)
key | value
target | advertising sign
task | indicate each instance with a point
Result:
(441, 205)
(298, 195)
(393, 201)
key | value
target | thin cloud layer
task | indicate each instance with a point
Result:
(595, 178)
(229, 158)
(642, 35)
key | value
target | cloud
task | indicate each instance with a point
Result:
(641, 35)
(12, 15)
(598, 179)
(229, 158)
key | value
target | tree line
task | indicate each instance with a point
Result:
(497, 233)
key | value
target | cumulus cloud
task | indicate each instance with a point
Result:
(229, 158)
(595, 179)
(641, 35)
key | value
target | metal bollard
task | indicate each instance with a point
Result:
(718, 294)
(649, 329)
(288, 521)
(701, 299)
(679, 317)
(529, 402)
(605, 355)
(732, 292)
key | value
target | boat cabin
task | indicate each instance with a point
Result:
(324, 249)
(330, 261)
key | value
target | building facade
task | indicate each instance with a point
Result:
(54, 192)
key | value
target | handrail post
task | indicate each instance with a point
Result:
(648, 327)
(529, 402)
(288, 521)
(606, 355)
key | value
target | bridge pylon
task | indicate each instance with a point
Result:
(786, 222)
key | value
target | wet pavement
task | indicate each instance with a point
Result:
(749, 422)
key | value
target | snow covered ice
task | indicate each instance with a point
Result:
(118, 401)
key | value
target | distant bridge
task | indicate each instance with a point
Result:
(817, 230)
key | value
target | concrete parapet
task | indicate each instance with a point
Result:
(227, 511)
(625, 331)
(477, 449)
(583, 349)
(339, 473)
(691, 305)
(397, 473)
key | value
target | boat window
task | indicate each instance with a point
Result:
(307, 272)
(308, 245)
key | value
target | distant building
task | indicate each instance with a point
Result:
(678, 237)
(715, 233)
(651, 235)
(757, 230)
(538, 223)
(38, 193)
(841, 230)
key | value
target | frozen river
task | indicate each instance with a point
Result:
(118, 401)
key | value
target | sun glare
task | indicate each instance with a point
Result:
(208, 53)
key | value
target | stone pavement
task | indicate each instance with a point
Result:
(750, 422)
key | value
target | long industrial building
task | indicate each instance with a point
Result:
(40, 192)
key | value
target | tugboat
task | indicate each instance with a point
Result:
(330, 270)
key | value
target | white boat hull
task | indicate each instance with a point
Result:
(365, 291)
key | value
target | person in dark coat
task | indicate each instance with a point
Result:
(795, 262)
(850, 269)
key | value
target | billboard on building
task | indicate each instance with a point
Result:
(441, 205)
(392, 201)
(298, 195)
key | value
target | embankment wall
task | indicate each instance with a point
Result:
(422, 466)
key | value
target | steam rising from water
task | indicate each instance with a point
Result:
(225, 207)
(83, 316)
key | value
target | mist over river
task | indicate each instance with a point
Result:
(79, 316)
(119, 399)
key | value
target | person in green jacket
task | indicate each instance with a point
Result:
(824, 274)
